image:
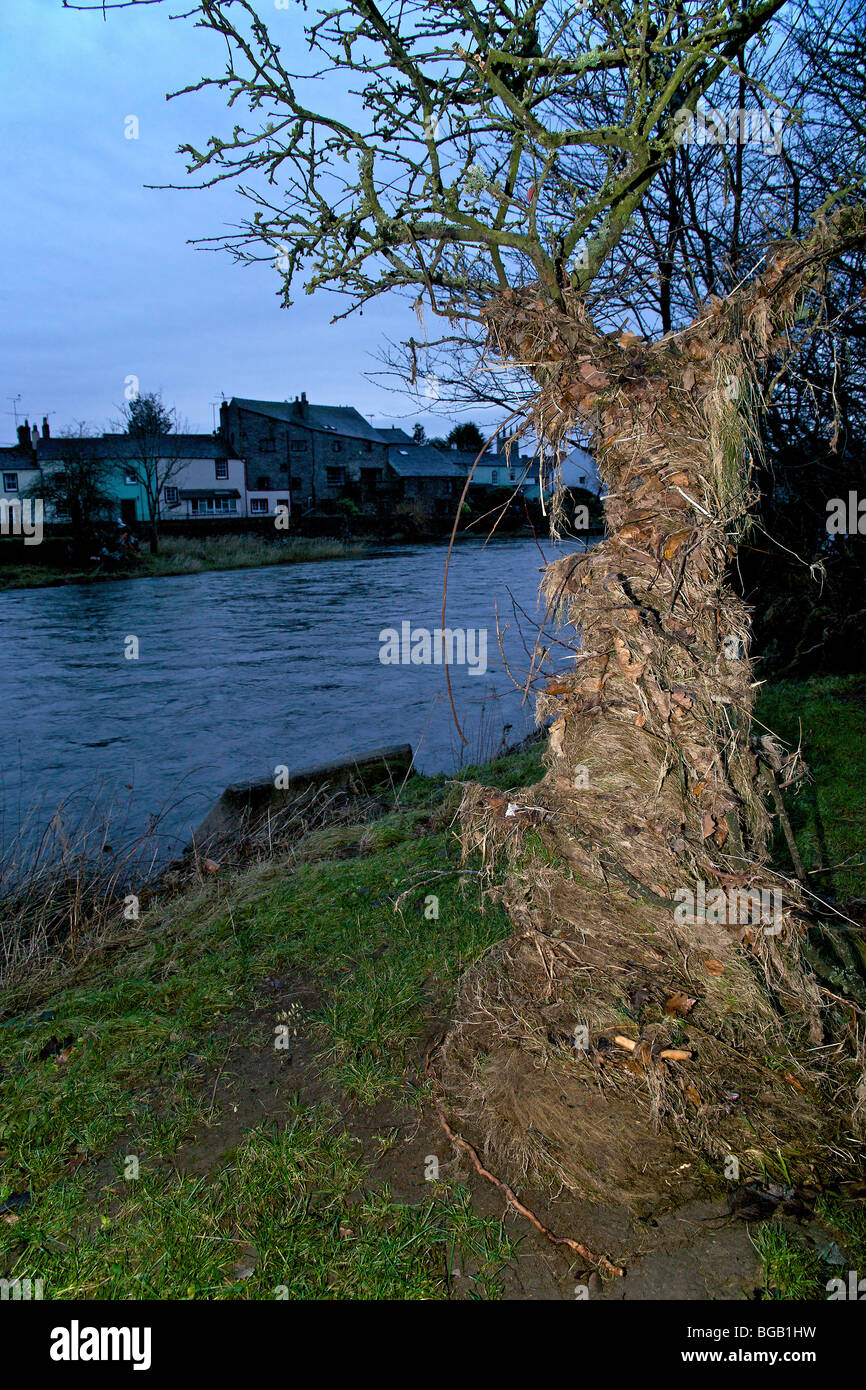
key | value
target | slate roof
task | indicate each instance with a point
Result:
(121, 446)
(396, 436)
(422, 461)
(325, 419)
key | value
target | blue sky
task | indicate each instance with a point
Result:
(98, 281)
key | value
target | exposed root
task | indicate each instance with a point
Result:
(601, 1262)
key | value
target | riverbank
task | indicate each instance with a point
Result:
(226, 1099)
(188, 555)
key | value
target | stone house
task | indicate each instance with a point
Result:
(310, 454)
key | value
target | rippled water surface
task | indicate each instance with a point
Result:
(240, 671)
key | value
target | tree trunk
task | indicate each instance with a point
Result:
(652, 1022)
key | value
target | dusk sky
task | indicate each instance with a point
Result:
(98, 281)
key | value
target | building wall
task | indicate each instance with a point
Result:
(279, 456)
(264, 501)
(312, 464)
(201, 473)
(25, 477)
(340, 455)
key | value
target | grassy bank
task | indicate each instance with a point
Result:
(188, 555)
(227, 1099)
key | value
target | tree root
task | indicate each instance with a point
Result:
(601, 1262)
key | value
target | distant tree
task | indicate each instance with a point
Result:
(154, 460)
(419, 434)
(79, 487)
(467, 436)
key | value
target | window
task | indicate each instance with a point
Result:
(263, 482)
(336, 477)
(336, 446)
(367, 447)
(221, 468)
(129, 478)
(282, 502)
(268, 446)
(211, 506)
(170, 495)
(258, 506)
(295, 484)
(298, 446)
(494, 475)
(371, 476)
(10, 482)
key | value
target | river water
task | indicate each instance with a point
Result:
(241, 671)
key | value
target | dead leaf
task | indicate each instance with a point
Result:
(713, 967)
(679, 1003)
(674, 542)
(593, 377)
(632, 670)
(694, 1096)
(675, 1054)
(557, 733)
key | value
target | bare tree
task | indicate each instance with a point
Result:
(152, 458)
(78, 486)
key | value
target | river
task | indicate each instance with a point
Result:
(240, 671)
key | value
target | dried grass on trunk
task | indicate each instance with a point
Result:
(705, 1039)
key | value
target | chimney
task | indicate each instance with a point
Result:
(303, 405)
(23, 436)
(34, 435)
(46, 432)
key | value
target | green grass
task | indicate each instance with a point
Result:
(149, 1021)
(288, 1217)
(190, 555)
(828, 715)
(792, 1270)
(796, 1269)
